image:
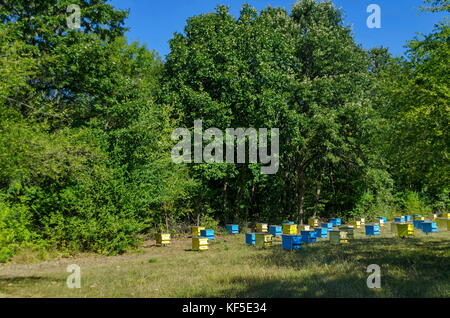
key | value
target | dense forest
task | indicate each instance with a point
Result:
(86, 121)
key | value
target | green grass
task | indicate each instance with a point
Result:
(414, 267)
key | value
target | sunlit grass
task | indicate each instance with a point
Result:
(415, 267)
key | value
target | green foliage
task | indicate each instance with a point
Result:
(414, 204)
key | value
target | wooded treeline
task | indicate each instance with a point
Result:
(86, 119)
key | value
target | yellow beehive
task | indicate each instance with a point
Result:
(262, 228)
(356, 224)
(338, 237)
(350, 230)
(313, 222)
(199, 243)
(290, 229)
(419, 218)
(163, 239)
(405, 229)
(264, 240)
(304, 227)
(445, 215)
(196, 230)
(443, 224)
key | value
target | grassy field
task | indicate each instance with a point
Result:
(415, 267)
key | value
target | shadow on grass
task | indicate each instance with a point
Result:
(409, 268)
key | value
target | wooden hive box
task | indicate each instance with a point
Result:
(336, 222)
(418, 223)
(304, 227)
(199, 243)
(262, 228)
(405, 229)
(290, 229)
(445, 215)
(350, 230)
(356, 224)
(321, 232)
(264, 240)
(442, 224)
(394, 228)
(429, 227)
(232, 228)
(275, 230)
(309, 236)
(196, 230)
(313, 222)
(250, 238)
(207, 233)
(162, 239)
(291, 242)
(372, 229)
(338, 237)
(326, 226)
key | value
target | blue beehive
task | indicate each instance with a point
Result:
(250, 238)
(289, 223)
(309, 236)
(291, 242)
(372, 229)
(407, 218)
(418, 224)
(232, 228)
(336, 221)
(328, 226)
(322, 232)
(207, 233)
(275, 230)
(429, 227)
(400, 219)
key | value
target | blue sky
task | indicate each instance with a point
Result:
(153, 22)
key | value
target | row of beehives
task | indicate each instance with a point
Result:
(293, 235)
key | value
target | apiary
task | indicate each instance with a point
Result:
(162, 239)
(290, 229)
(196, 230)
(313, 222)
(328, 226)
(207, 233)
(232, 228)
(336, 222)
(262, 228)
(264, 239)
(338, 237)
(373, 229)
(429, 227)
(250, 238)
(405, 229)
(309, 236)
(321, 232)
(350, 230)
(199, 243)
(291, 242)
(275, 230)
